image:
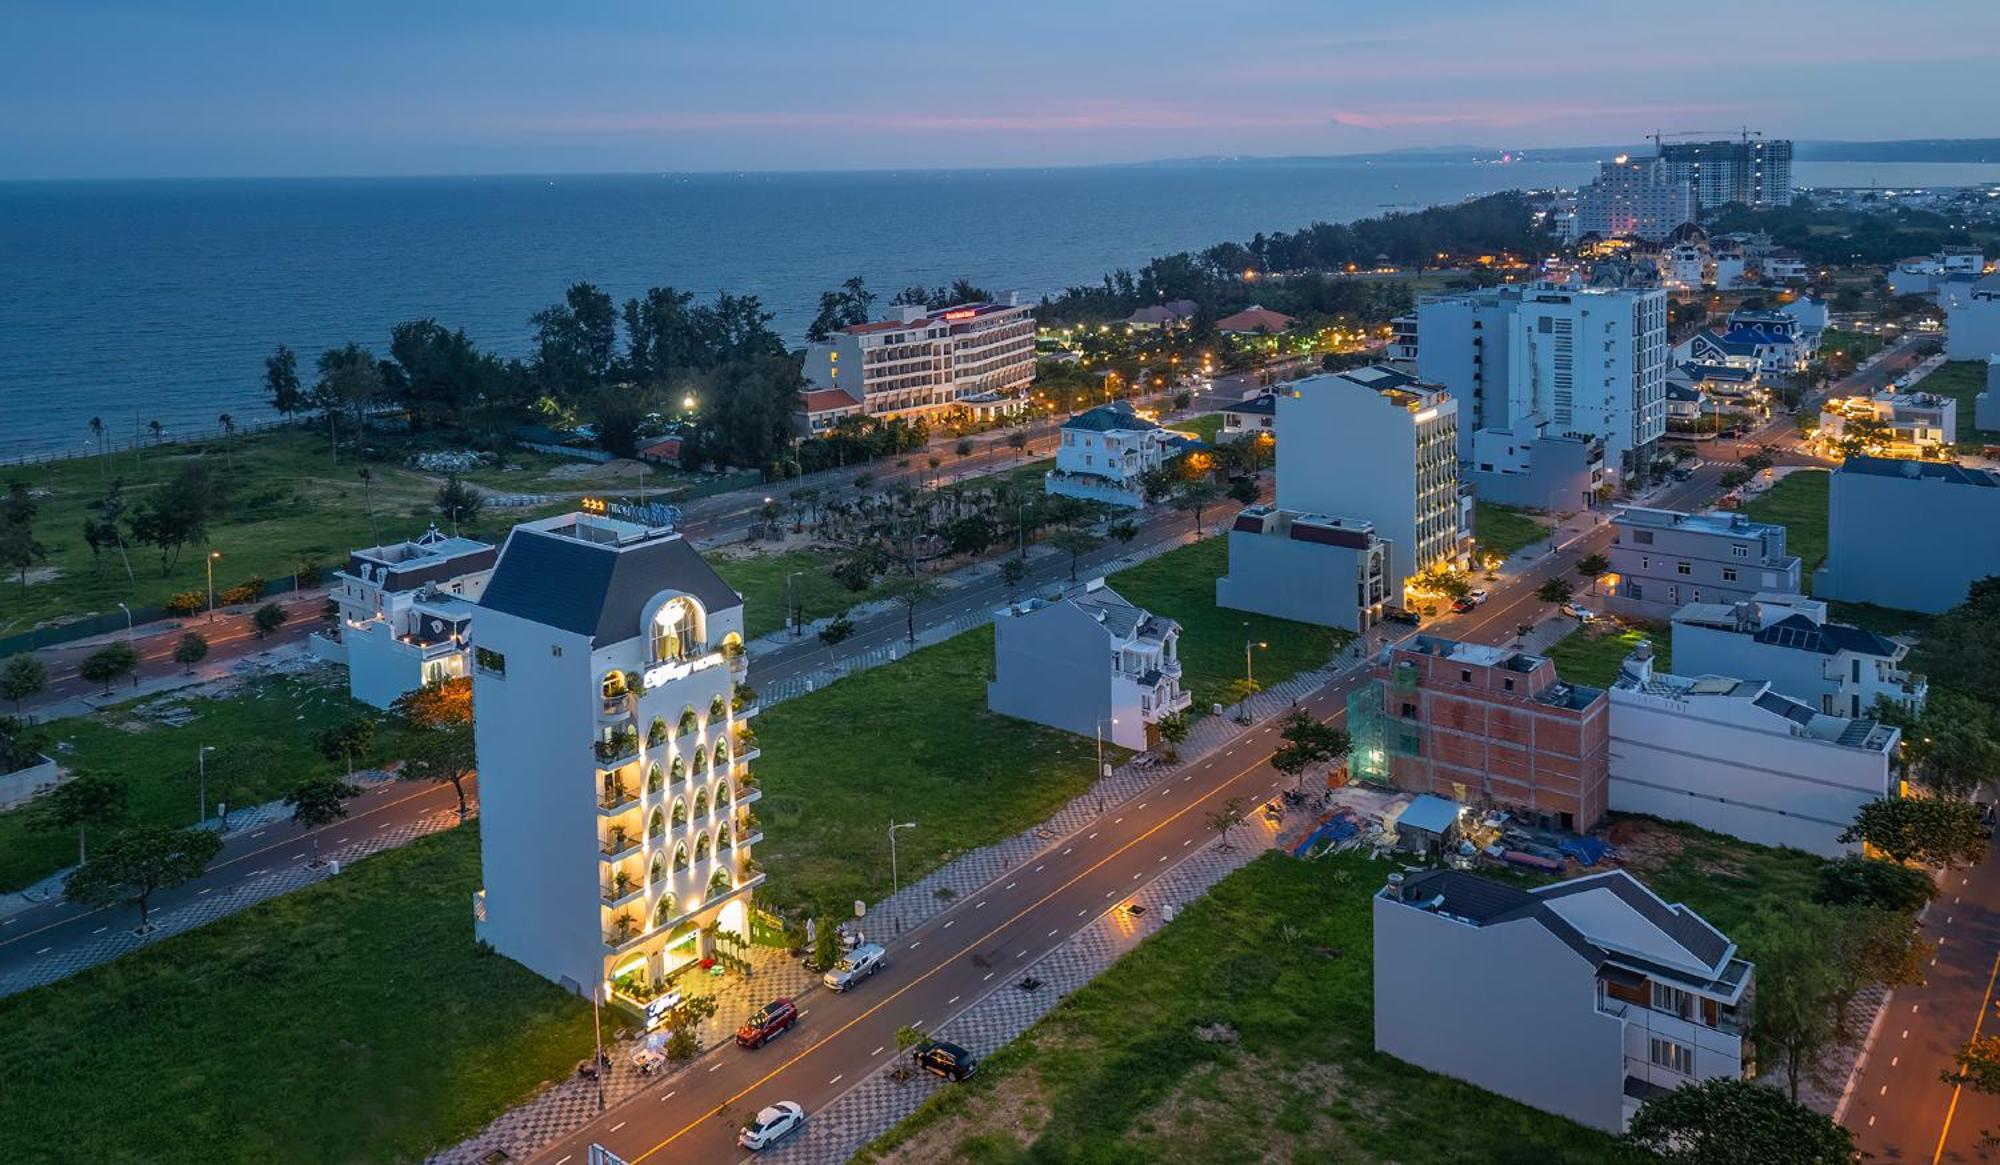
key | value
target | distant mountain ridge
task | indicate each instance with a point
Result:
(1910, 150)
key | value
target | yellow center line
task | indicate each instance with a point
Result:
(1952, 1111)
(965, 950)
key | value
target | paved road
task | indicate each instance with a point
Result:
(54, 929)
(974, 948)
(1899, 1109)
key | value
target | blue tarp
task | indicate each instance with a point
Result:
(1588, 851)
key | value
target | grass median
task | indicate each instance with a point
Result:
(261, 733)
(353, 1021)
(1246, 1022)
(913, 739)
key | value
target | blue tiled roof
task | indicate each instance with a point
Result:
(1916, 470)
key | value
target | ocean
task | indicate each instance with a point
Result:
(157, 300)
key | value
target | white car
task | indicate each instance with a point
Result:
(1478, 595)
(771, 1125)
(1580, 614)
(860, 963)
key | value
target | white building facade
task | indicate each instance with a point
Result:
(1838, 669)
(405, 610)
(922, 363)
(614, 751)
(1594, 361)
(1102, 454)
(1378, 446)
(1972, 322)
(1309, 568)
(1090, 663)
(1583, 998)
(1735, 756)
(1632, 198)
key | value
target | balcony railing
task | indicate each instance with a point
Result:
(617, 801)
(613, 896)
(615, 847)
(617, 750)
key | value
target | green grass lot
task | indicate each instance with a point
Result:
(1590, 655)
(1181, 585)
(1724, 880)
(1798, 502)
(1859, 345)
(354, 1021)
(760, 578)
(1961, 380)
(1280, 954)
(839, 762)
(1881, 620)
(262, 736)
(291, 502)
(1503, 530)
(1205, 426)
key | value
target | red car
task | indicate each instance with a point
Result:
(772, 1020)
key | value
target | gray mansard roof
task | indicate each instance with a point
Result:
(598, 590)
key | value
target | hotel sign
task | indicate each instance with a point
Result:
(667, 673)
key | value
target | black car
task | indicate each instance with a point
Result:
(1400, 615)
(947, 1060)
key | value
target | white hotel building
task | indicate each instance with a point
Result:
(975, 356)
(614, 778)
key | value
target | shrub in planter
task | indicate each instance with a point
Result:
(185, 603)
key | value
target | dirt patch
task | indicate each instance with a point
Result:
(1215, 1033)
(1643, 845)
(37, 575)
(1015, 1108)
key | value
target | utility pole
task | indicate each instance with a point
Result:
(895, 881)
(212, 556)
(201, 769)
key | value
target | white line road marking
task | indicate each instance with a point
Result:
(1038, 869)
(1109, 893)
(804, 1011)
(668, 1096)
(565, 1159)
(979, 905)
(45, 950)
(1143, 804)
(1093, 837)
(1081, 913)
(616, 1127)
(1163, 857)
(1135, 877)
(295, 857)
(1893, 1060)
(952, 1000)
(1008, 886)
(1913, 1007)
(210, 890)
(1187, 843)
(1884, 1091)
(952, 923)
(10, 922)
(835, 1080)
(1066, 852)
(1022, 955)
(915, 945)
(100, 930)
(877, 1051)
(1871, 1122)
(1906, 1033)
(1052, 934)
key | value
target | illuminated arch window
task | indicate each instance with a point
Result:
(701, 805)
(659, 870)
(721, 753)
(677, 632)
(680, 813)
(656, 824)
(655, 779)
(681, 856)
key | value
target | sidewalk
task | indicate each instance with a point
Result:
(996, 1019)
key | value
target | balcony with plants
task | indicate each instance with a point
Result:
(625, 930)
(622, 888)
(618, 842)
(616, 746)
(616, 797)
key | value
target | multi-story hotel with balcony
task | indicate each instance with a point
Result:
(1583, 998)
(404, 612)
(979, 357)
(614, 752)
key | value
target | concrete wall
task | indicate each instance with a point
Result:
(1053, 667)
(538, 799)
(1561, 471)
(1986, 406)
(1476, 375)
(1827, 682)
(1306, 582)
(1509, 1008)
(1662, 589)
(1915, 544)
(1674, 760)
(1972, 328)
(23, 785)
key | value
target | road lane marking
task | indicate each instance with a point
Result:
(1008, 886)
(671, 1095)
(1980, 1020)
(878, 1051)
(1038, 869)
(45, 950)
(1052, 934)
(835, 1080)
(1092, 837)
(1163, 858)
(915, 945)
(1187, 843)
(979, 905)
(952, 1000)
(1066, 852)
(952, 923)
(616, 1127)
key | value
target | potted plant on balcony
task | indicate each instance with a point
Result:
(623, 928)
(741, 696)
(621, 884)
(620, 839)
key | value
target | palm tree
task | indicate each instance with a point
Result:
(227, 424)
(97, 434)
(368, 501)
(159, 430)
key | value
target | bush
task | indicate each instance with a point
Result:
(185, 603)
(269, 618)
(247, 591)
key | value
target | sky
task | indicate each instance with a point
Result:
(201, 88)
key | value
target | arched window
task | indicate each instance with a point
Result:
(701, 848)
(678, 770)
(701, 805)
(677, 631)
(681, 856)
(656, 825)
(659, 871)
(722, 841)
(721, 753)
(689, 721)
(655, 779)
(656, 733)
(720, 883)
(613, 685)
(664, 910)
(715, 709)
(680, 812)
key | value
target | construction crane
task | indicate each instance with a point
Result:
(1656, 136)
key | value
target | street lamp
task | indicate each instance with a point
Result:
(212, 556)
(895, 882)
(597, 1065)
(1101, 722)
(128, 623)
(201, 768)
(791, 604)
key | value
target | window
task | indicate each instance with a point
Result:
(1728, 574)
(1409, 711)
(489, 661)
(1739, 550)
(1635, 592)
(1673, 594)
(1510, 684)
(1697, 596)
(1642, 537)
(1672, 1000)
(1683, 568)
(1672, 1056)
(1465, 675)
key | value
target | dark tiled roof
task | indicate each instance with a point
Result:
(1801, 633)
(1485, 902)
(1105, 418)
(1683, 926)
(598, 590)
(1264, 404)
